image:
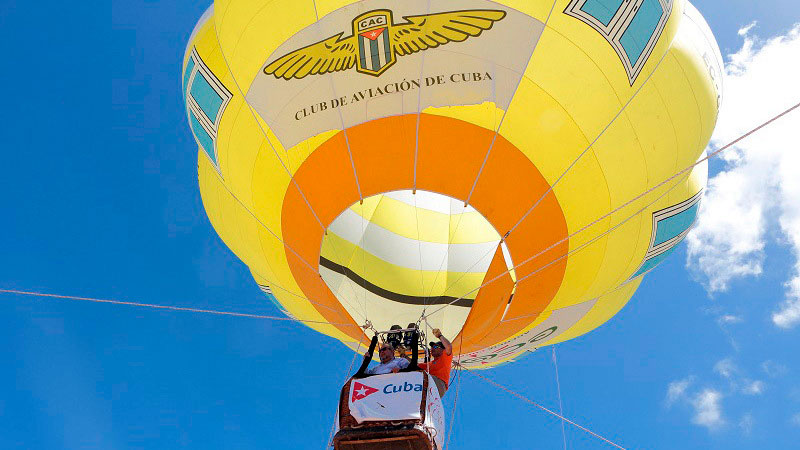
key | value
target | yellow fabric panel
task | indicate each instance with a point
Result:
(702, 88)
(538, 10)
(676, 92)
(270, 181)
(207, 177)
(233, 164)
(605, 308)
(596, 51)
(325, 7)
(486, 114)
(297, 154)
(655, 131)
(302, 309)
(400, 279)
(600, 51)
(241, 31)
(587, 79)
(535, 121)
(623, 164)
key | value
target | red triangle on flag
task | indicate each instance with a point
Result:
(361, 390)
(373, 34)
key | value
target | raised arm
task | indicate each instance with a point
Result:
(448, 348)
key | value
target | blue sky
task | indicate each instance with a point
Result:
(105, 204)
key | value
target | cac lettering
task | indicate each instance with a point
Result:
(372, 22)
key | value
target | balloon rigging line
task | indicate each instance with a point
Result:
(450, 237)
(419, 114)
(419, 251)
(562, 256)
(455, 400)
(675, 175)
(560, 404)
(527, 260)
(339, 110)
(170, 308)
(263, 133)
(502, 118)
(288, 172)
(497, 130)
(527, 400)
(575, 161)
(345, 378)
(291, 176)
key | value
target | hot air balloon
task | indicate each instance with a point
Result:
(494, 168)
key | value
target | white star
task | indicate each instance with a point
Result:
(361, 392)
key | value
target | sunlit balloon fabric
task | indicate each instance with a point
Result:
(374, 160)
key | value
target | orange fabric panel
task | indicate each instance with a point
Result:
(449, 155)
(490, 303)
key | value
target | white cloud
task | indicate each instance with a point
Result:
(746, 423)
(708, 409)
(795, 420)
(755, 387)
(760, 179)
(773, 369)
(677, 390)
(725, 367)
(728, 319)
(789, 313)
(746, 29)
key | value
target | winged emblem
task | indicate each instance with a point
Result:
(376, 42)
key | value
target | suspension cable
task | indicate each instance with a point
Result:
(170, 308)
(345, 378)
(627, 203)
(527, 400)
(458, 387)
(560, 404)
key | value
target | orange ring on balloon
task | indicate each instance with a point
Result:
(450, 153)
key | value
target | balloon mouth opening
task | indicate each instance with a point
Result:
(394, 255)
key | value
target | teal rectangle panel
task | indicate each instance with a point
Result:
(634, 39)
(672, 226)
(206, 97)
(202, 137)
(652, 262)
(602, 10)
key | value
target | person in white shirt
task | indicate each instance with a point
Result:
(389, 364)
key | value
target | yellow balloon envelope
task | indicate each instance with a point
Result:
(471, 161)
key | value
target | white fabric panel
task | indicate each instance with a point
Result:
(431, 201)
(405, 252)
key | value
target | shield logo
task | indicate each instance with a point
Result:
(375, 53)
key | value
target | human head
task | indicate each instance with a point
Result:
(437, 348)
(386, 353)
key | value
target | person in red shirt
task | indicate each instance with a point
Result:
(442, 353)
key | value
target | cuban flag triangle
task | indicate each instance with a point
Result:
(361, 390)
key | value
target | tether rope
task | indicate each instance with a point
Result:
(170, 308)
(560, 404)
(345, 378)
(527, 400)
(455, 400)
(627, 203)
